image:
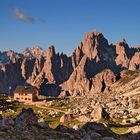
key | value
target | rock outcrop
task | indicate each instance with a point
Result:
(102, 81)
(78, 84)
(135, 62)
(122, 51)
(99, 113)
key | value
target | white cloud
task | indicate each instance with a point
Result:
(19, 14)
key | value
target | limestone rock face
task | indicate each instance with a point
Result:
(128, 84)
(10, 76)
(102, 81)
(135, 62)
(27, 68)
(77, 56)
(93, 42)
(36, 69)
(122, 50)
(91, 68)
(56, 68)
(78, 82)
(97, 49)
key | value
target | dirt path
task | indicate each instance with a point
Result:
(51, 108)
(42, 105)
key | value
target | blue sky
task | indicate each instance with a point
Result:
(63, 23)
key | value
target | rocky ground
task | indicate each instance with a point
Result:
(26, 126)
(77, 118)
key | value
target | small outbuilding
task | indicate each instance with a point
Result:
(26, 93)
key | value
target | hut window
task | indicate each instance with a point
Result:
(25, 98)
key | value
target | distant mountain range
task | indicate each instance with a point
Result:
(94, 66)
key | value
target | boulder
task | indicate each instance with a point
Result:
(102, 129)
(134, 129)
(26, 119)
(7, 122)
(83, 118)
(99, 113)
(66, 118)
(75, 127)
(43, 123)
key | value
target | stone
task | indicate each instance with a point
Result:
(122, 50)
(135, 62)
(94, 41)
(133, 120)
(83, 118)
(102, 81)
(84, 110)
(95, 135)
(64, 94)
(108, 138)
(43, 123)
(124, 121)
(87, 137)
(134, 129)
(66, 118)
(76, 127)
(26, 119)
(99, 113)
(7, 123)
(138, 117)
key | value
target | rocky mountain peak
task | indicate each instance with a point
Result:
(34, 52)
(80, 73)
(96, 33)
(123, 44)
(93, 43)
(7, 56)
(51, 52)
(123, 52)
(123, 41)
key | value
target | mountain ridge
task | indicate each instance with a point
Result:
(86, 70)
